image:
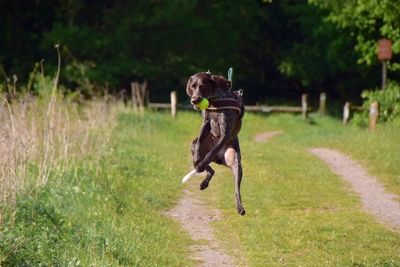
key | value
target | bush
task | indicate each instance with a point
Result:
(360, 119)
(388, 99)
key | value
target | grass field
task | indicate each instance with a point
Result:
(109, 209)
(298, 212)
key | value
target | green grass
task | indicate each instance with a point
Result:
(298, 212)
(377, 151)
(110, 211)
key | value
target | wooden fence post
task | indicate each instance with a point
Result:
(322, 104)
(346, 113)
(304, 106)
(174, 102)
(139, 95)
(133, 95)
(373, 115)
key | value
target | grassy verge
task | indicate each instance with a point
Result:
(298, 212)
(41, 138)
(107, 210)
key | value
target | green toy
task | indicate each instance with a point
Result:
(203, 104)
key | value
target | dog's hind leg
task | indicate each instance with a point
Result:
(232, 160)
(210, 173)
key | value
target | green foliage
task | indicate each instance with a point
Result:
(319, 50)
(76, 73)
(276, 47)
(368, 21)
(388, 100)
(360, 119)
(153, 39)
(43, 86)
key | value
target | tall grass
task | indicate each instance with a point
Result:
(107, 210)
(41, 135)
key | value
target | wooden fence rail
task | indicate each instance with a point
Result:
(347, 108)
(373, 113)
(304, 109)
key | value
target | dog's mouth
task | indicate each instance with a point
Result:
(195, 100)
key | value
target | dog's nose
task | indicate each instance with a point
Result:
(195, 100)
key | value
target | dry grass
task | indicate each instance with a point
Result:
(39, 138)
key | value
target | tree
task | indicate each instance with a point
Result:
(277, 48)
(311, 53)
(367, 21)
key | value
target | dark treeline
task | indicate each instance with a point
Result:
(279, 49)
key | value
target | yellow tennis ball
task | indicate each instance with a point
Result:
(203, 104)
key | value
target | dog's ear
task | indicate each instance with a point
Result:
(221, 82)
(189, 90)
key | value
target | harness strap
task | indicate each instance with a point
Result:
(228, 102)
(225, 103)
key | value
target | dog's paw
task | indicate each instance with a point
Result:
(204, 184)
(240, 210)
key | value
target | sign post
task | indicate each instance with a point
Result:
(384, 54)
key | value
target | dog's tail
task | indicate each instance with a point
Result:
(188, 176)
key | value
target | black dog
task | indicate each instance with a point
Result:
(218, 139)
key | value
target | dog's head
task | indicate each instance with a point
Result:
(203, 84)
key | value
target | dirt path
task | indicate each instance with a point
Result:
(195, 218)
(374, 199)
(265, 137)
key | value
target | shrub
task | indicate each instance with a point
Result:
(388, 99)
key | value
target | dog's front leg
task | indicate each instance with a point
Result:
(225, 129)
(204, 130)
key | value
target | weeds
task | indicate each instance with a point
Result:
(107, 209)
(41, 134)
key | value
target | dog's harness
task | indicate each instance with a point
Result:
(224, 103)
(231, 100)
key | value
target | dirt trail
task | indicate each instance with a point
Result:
(195, 218)
(265, 137)
(374, 199)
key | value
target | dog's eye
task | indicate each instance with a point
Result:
(201, 86)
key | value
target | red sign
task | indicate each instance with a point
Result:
(384, 49)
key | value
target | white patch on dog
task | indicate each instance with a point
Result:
(230, 157)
